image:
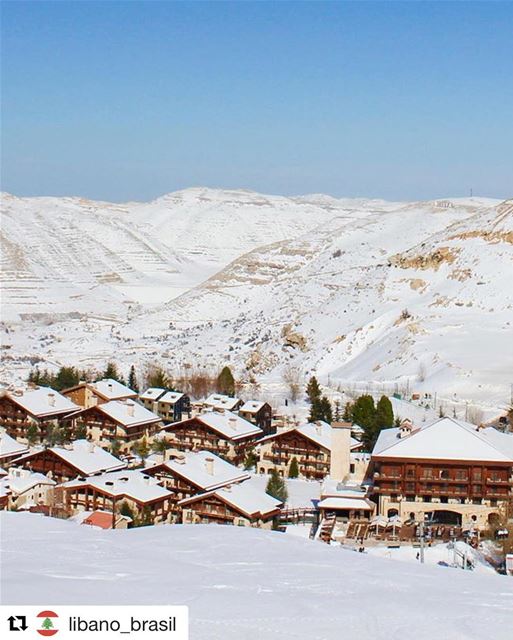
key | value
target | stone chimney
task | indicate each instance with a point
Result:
(130, 409)
(51, 399)
(318, 428)
(209, 466)
(340, 450)
(232, 421)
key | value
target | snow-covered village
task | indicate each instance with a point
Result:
(256, 320)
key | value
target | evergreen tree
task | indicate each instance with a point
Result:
(321, 410)
(132, 380)
(293, 468)
(115, 447)
(66, 377)
(384, 413)
(158, 378)
(250, 460)
(225, 382)
(126, 510)
(159, 445)
(112, 372)
(348, 412)
(81, 431)
(313, 391)
(32, 434)
(364, 415)
(276, 487)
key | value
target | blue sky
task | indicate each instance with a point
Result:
(130, 100)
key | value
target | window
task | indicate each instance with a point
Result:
(351, 468)
(444, 474)
(476, 474)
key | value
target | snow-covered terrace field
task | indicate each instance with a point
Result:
(249, 584)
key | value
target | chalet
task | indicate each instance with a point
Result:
(80, 458)
(90, 394)
(191, 473)
(223, 433)
(448, 471)
(42, 407)
(238, 504)
(10, 449)
(125, 421)
(220, 402)
(169, 405)
(119, 490)
(310, 444)
(259, 413)
(26, 490)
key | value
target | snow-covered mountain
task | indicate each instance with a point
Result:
(357, 290)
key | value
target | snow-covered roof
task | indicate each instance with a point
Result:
(446, 439)
(87, 457)
(229, 424)
(204, 469)
(153, 393)
(131, 483)
(220, 401)
(334, 488)
(9, 446)
(346, 503)
(252, 406)
(44, 401)
(17, 481)
(112, 389)
(3, 472)
(242, 497)
(171, 397)
(319, 432)
(128, 413)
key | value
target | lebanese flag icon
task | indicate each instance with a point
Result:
(48, 623)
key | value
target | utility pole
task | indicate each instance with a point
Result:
(421, 533)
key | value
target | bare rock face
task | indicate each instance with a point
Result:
(293, 338)
(432, 260)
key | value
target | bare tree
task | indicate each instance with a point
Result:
(421, 374)
(474, 415)
(293, 378)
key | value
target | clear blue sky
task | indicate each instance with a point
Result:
(130, 100)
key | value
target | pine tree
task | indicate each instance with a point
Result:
(32, 434)
(158, 378)
(126, 510)
(115, 447)
(81, 431)
(112, 372)
(293, 468)
(348, 412)
(142, 449)
(132, 380)
(65, 378)
(313, 391)
(384, 413)
(276, 487)
(250, 460)
(321, 410)
(226, 382)
(364, 415)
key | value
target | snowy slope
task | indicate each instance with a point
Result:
(264, 282)
(248, 583)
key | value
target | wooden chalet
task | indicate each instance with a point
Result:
(239, 505)
(147, 500)
(223, 433)
(90, 394)
(171, 406)
(259, 413)
(125, 421)
(447, 471)
(80, 458)
(191, 473)
(42, 407)
(310, 444)
(10, 449)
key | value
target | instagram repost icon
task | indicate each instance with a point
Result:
(48, 623)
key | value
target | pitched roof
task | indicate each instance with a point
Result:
(85, 456)
(18, 481)
(121, 412)
(153, 393)
(242, 497)
(103, 519)
(171, 397)
(220, 401)
(346, 503)
(9, 446)
(204, 469)
(112, 389)
(446, 439)
(229, 424)
(252, 406)
(44, 401)
(319, 432)
(131, 483)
